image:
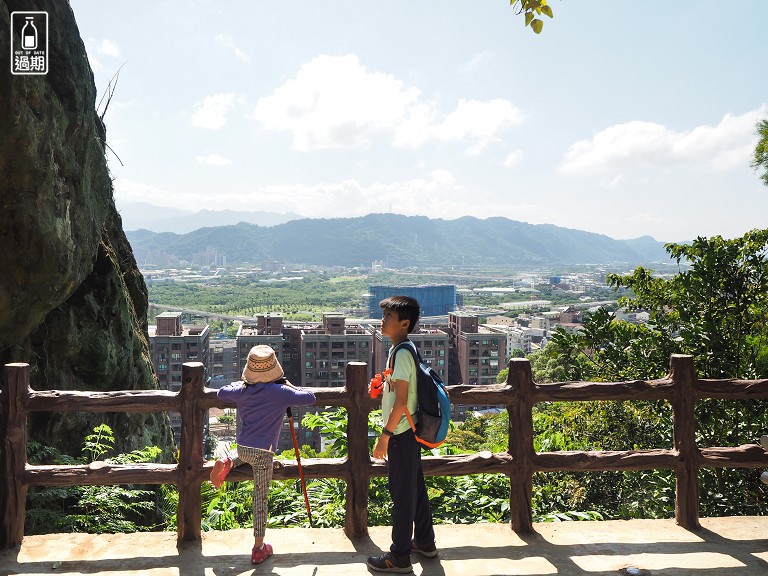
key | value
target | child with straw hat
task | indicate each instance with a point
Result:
(261, 398)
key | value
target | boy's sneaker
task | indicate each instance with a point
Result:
(764, 442)
(220, 470)
(390, 563)
(428, 550)
(258, 555)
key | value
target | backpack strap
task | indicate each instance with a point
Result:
(404, 344)
(417, 360)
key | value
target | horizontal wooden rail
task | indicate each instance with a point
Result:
(109, 474)
(605, 460)
(519, 395)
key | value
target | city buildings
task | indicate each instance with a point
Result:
(478, 351)
(224, 363)
(316, 354)
(431, 342)
(313, 354)
(320, 353)
(478, 354)
(171, 345)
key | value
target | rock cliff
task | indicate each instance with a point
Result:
(72, 301)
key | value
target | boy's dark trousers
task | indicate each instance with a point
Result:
(410, 504)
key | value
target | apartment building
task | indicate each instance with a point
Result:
(518, 337)
(479, 351)
(209, 257)
(313, 355)
(477, 355)
(432, 344)
(224, 362)
(266, 330)
(325, 350)
(172, 344)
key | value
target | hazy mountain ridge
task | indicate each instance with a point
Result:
(403, 241)
(144, 216)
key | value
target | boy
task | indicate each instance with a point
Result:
(410, 504)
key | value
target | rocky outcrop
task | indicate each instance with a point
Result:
(72, 301)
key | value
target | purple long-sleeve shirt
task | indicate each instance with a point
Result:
(261, 407)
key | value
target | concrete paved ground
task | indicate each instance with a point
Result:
(723, 546)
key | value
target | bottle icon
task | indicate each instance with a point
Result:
(29, 35)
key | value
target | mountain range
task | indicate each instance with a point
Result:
(402, 241)
(142, 215)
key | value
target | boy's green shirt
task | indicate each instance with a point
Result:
(405, 369)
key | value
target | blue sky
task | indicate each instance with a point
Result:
(622, 118)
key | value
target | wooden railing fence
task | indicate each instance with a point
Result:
(519, 394)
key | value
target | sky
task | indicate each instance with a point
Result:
(621, 118)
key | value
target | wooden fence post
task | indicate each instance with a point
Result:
(358, 459)
(191, 462)
(13, 429)
(684, 434)
(520, 412)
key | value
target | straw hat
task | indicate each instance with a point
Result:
(262, 366)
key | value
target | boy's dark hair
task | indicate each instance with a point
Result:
(407, 308)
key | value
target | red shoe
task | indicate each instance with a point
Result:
(258, 555)
(221, 468)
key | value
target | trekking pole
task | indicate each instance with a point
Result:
(298, 462)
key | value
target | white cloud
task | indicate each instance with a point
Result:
(476, 62)
(105, 47)
(213, 160)
(108, 48)
(477, 122)
(722, 147)
(227, 41)
(479, 119)
(347, 198)
(96, 65)
(350, 198)
(212, 112)
(335, 102)
(613, 182)
(513, 158)
(127, 191)
(646, 218)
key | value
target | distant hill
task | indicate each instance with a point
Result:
(404, 241)
(141, 215)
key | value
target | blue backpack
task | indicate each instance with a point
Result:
(433, 405)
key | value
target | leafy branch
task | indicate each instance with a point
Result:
(532, 9)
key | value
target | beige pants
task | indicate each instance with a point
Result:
(261, 462)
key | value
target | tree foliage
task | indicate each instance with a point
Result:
(715, 309)
(303, 299)
(533, 9)
(91, 509)
(760, 158)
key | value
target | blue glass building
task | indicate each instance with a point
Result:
(436, 300)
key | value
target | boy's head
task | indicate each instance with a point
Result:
(405, 307)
